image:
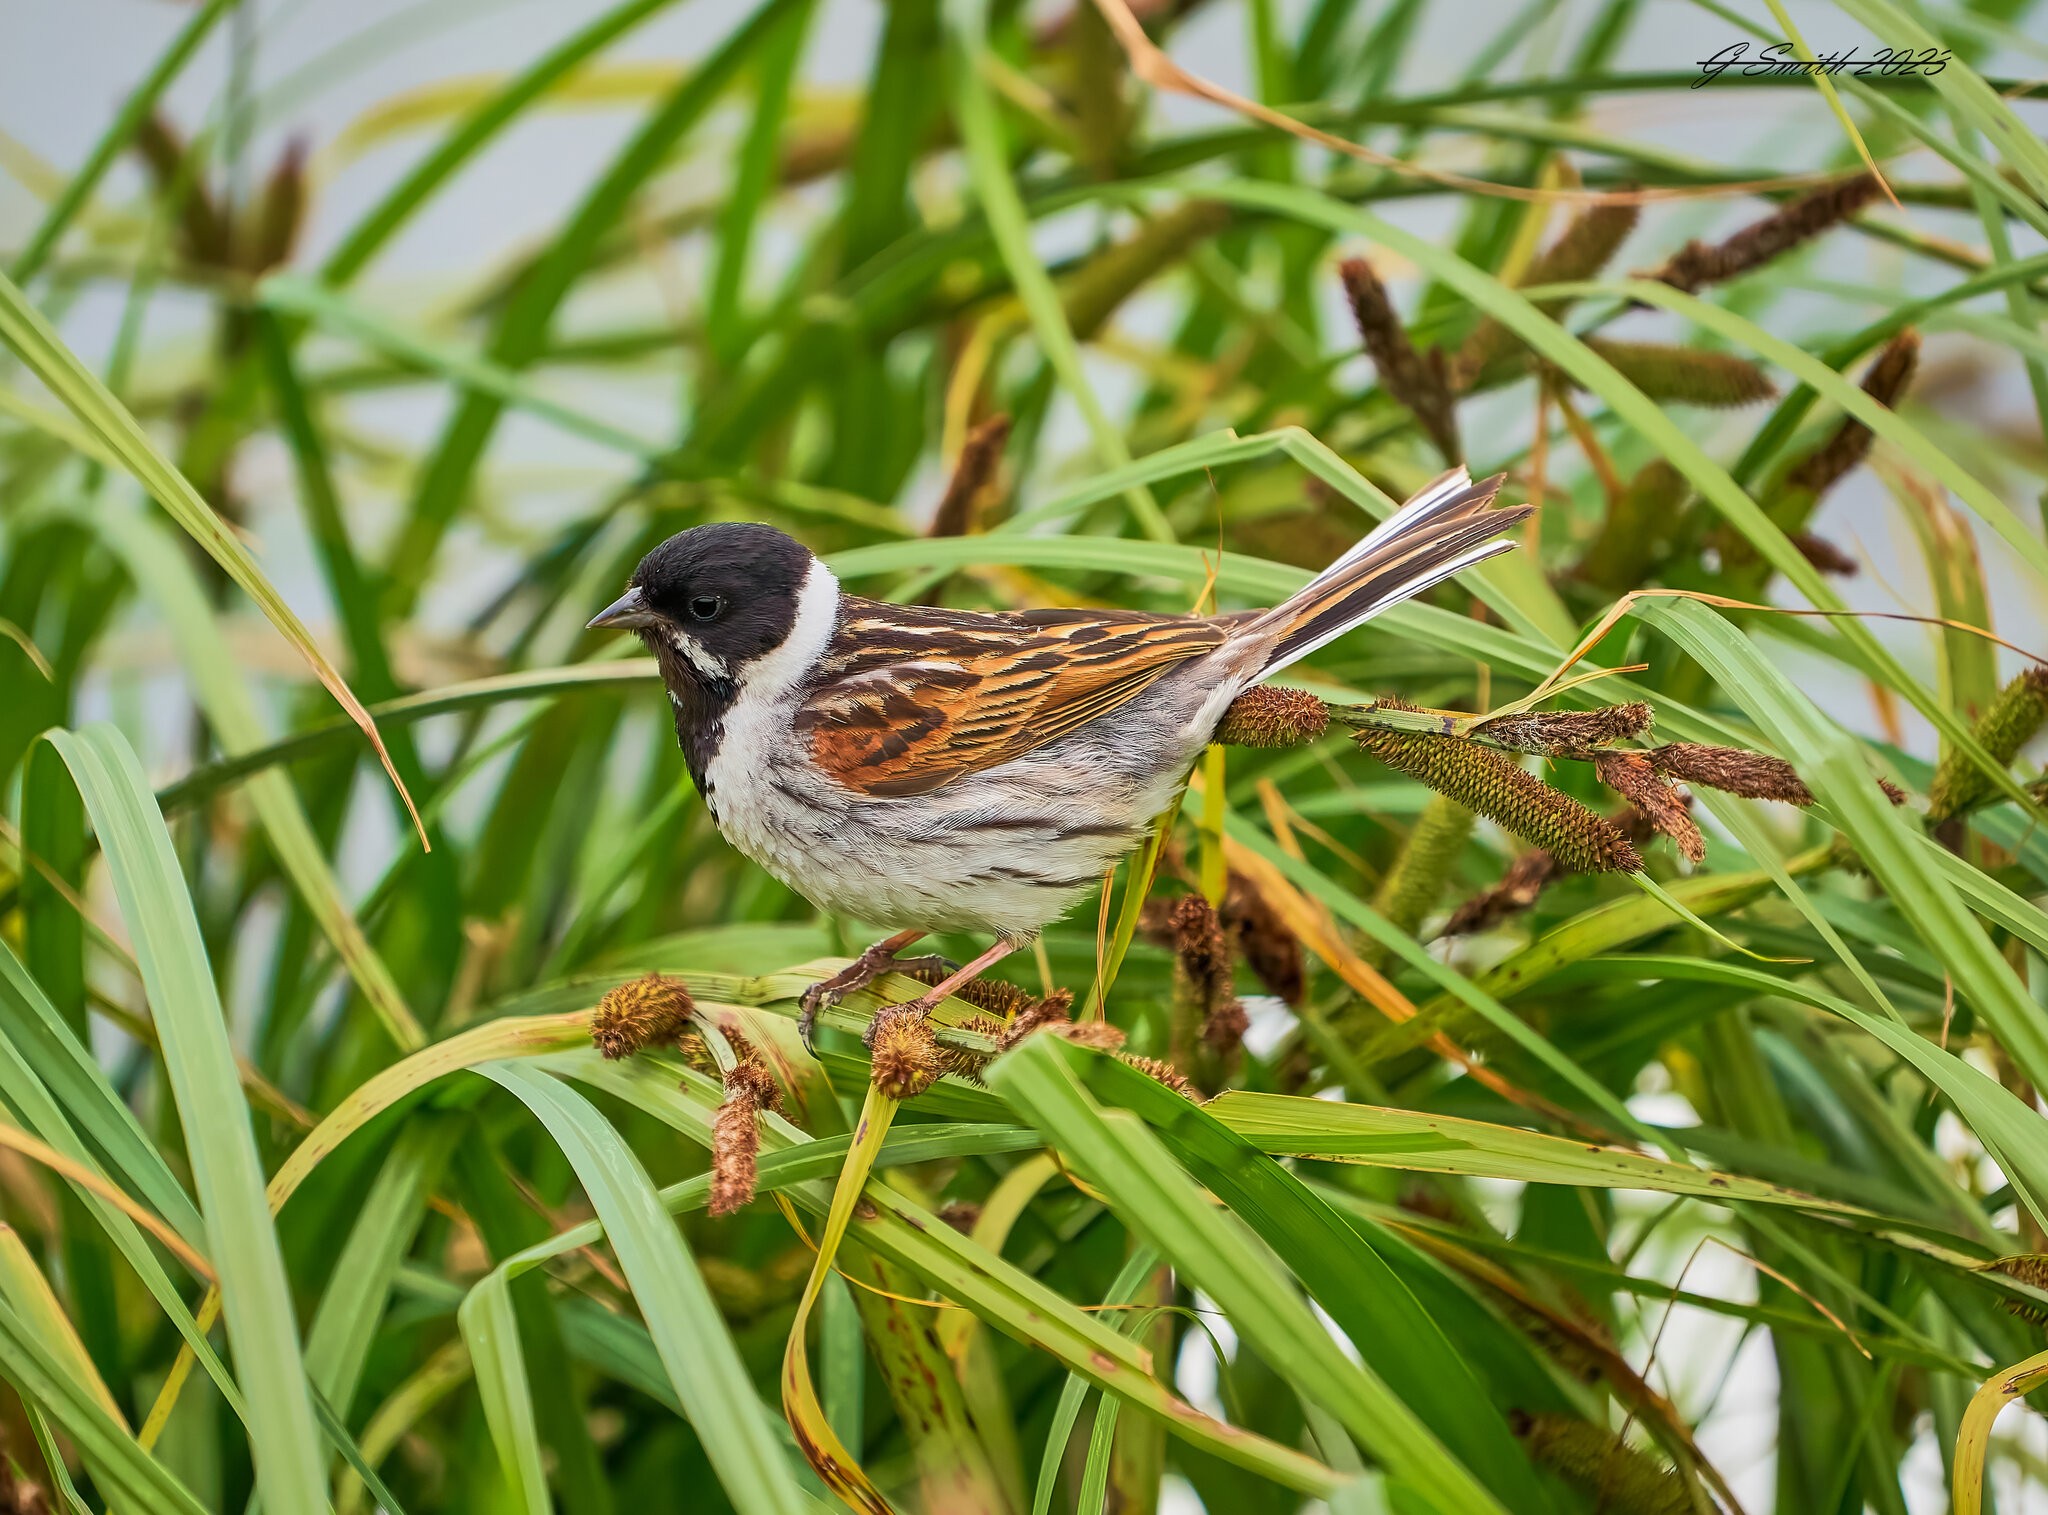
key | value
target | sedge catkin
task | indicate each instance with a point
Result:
(1485, 781)
(2014, 719)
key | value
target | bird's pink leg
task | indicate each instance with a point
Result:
(931, 998)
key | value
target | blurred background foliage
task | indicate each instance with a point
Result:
(1720, 1187)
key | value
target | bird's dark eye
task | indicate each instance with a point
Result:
(705, 607)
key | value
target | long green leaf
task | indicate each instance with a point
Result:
(201, 1066)
(703, 1364)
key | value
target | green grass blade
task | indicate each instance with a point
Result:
(1118, 1154)
(1840, 777)
(136, 1481)
(120, 131)
(988, 165)
(23, 329)
(154, 561)
(491, 1333)
(201, 1068)
(702, 1363)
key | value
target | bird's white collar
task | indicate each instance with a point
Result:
(777, 672)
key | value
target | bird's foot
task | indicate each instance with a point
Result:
(855, 976)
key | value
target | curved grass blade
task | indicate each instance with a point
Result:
(491, 1333)
(703, 1365)
(1835, 769)
(154, 562)
(1117, 1153)
(814, 1431)
(203, 1078)
(23, 328)
(133, 1479)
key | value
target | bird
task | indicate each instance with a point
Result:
(928, 769)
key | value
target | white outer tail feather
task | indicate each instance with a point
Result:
(1453, 488)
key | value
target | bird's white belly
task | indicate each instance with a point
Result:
(1007, 851)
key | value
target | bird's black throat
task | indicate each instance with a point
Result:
(700, 702)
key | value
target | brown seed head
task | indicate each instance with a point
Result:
(1632, 776)
(1418, 380)
(1519, 888)
(1485, 781)
(1696, 265)
(1753, 775)
(2031, 1269)
(1559, 733)
(1273, 950)
(904, 1056)
(648, 1012)
(1052, 1010)
(1825, 555)
(696, 1054)
(1885, 382)
(1199, 945)
(1100, 1035)
(974, 472)
(1162, 1072)
(991, 995)
(1581, 252)
(1202, 952)
(280, 211)
(735, 1153)
(1268, 716)
(750, 1079)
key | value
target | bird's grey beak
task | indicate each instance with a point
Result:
(623, 614)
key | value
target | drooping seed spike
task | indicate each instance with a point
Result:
(1885, 382)
(2031, 1269)
(1698, 264)
(1268, 945)
(1161, 1071)
(1418, 380)
(973, 473)
(1625, 1480)
(1634, 777)
(1583, 249)
(1686, 375)
(1485, 781)
(1752, 775)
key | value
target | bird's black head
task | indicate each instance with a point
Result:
(725, 609)
(719, 597)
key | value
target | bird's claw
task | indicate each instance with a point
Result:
(856, 975)
(817, 999)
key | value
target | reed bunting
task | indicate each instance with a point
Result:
(947, 770)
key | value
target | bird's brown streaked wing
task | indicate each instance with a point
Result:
(908, 699)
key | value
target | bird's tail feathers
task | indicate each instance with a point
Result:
(1443, 530)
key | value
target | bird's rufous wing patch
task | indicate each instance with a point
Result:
(909, 699)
